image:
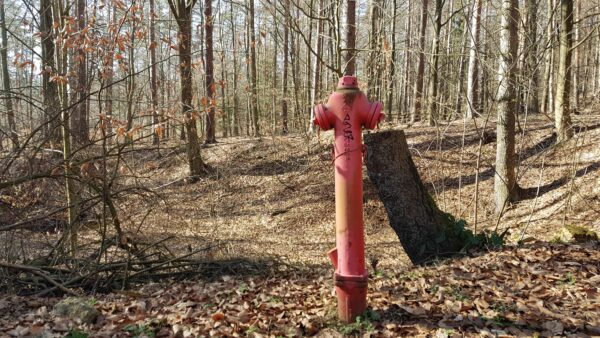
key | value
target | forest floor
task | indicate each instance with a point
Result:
(269, 206)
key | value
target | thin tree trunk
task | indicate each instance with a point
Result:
(547, 94)
(209, 126)
(157, 132)
(8, 101)
(351, 38)
(419, 83)
(274, 84)
(432, 104)
(79, 122)
(317, 68)
(110, 73)
(392, 70)
(374, 60)
(405, 105)
(472, 109)
(530, 71)
(284, 100)
(6, 82)
(249, 102)
(235, 121)
(576, 61)
(253, 79)
(294, 41)
(183, 14)
(461, 73)
(131, 85)
(562, 115)
(505, 186)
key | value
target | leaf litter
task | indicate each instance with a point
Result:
(274, 198)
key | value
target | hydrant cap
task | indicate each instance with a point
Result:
(347, 82)
(322, 118)
(375, 115)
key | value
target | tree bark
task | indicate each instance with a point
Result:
(286, 41)
(505, 186)
(8, 101)
(405, 102)
(49, 88)
(547, 94)
(350, 38)
(110, 74)
(375, 49)
(461, 73)
(317, 68)
(182, 10)
(530, 70)
(419, 83)
(576, 57)
(209, 126)
(432, 104)
(562, 115)
(157, 132)
(412, 213)
(392, 70)
(253, 79)
(235, 121)
(79, 118)
(472, 109)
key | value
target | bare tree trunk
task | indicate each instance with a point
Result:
(505, 185)
(253, 79)
(562, 115)
(472, 109)
(49, 88)
(157, 132)
(419, 83)
(392, 71)
(432, 104)
(547, 94)
(110, 74)
(209, 126)
(79, 118)
(350, 68)
(183, 14)
(317, 68)
(235, 121)
(8, 101)
(284, 100)
(533, 102)
(461, 72)
(249, 99)
(576, 62)
(405, 99)
(294, 41)
(131, 75)
(374, 60)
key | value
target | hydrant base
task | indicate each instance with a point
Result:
(352, 296)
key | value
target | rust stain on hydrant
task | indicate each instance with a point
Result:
(347, 111)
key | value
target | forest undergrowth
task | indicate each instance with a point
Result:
(255, 232)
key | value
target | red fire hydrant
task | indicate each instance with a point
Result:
(347, 111)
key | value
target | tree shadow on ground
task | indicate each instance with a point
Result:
(455, 142)
(529, 193)
(276, 167)
(455, 182)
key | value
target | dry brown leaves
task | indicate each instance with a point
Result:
(543, 289)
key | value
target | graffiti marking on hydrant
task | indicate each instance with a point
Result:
(348, 136)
